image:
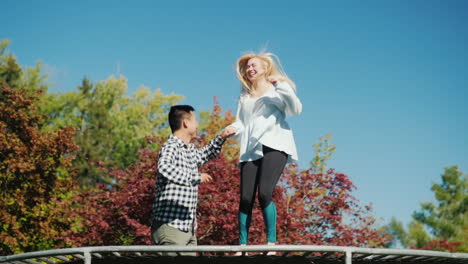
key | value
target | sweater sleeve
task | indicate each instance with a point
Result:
(238, 125)
(292, 104)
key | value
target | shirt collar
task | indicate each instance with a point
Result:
(180, 142)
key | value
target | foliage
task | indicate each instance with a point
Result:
(31, 181)
(449, 215)
(446, 219)
(30, 80)
(119, 214)
(323, 153)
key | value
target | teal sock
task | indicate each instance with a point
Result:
(244, 225)
(269, 217)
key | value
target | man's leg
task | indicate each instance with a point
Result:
(192, 242)
(165, 235)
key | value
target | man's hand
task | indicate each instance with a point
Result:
(275, 78)
(228, 131)
(205, 178)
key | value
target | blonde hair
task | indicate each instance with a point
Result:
(272, 67)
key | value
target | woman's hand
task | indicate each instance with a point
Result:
(275, 78)
(228, 131)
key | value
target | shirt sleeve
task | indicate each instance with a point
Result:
(208, 152)
(171, 167)
(292, 104)
(238, 125)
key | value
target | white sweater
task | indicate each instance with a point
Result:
(261, 121)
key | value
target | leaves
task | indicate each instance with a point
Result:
(446, 219)
(112, 126)
(29, 161)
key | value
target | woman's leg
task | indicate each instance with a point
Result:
(271, 168)
(248, 186)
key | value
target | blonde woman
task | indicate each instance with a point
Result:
(267, 98)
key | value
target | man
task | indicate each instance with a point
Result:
(174, 209)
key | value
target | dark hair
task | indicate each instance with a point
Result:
(177, 114)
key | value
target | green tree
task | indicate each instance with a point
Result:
(323, 152)
(397, 230)
(29, 80)
(111, 125)
(417, 235)
(447, 219)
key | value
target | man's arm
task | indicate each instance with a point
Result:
(210, 151)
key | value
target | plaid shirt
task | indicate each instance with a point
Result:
(177, 181)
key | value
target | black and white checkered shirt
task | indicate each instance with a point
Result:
(177, 181)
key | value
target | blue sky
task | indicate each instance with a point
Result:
(387, 78)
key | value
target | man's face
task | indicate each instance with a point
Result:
(192, 125)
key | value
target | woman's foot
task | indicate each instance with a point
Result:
(271, 253)
(240, 253)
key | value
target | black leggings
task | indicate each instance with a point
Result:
(263, 173)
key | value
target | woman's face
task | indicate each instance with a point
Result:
(255, 68)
